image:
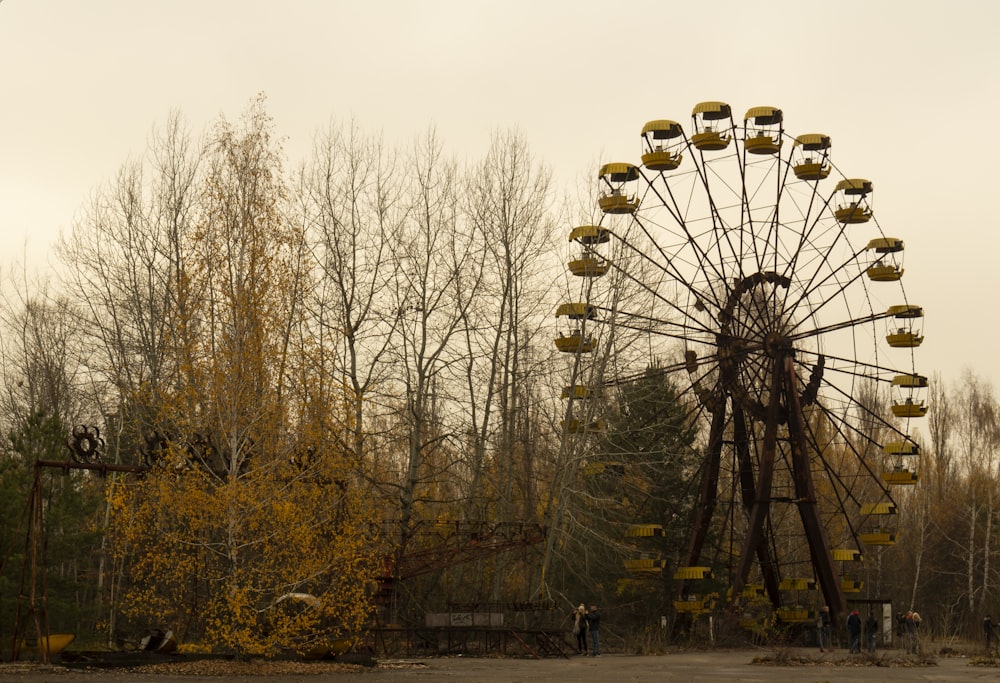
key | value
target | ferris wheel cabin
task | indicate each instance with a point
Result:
(662, 145)
(762, 130)
(588, 263)
(903, 334)
(852, 201)
(712, 123)
(617, 188)
(887, 266)
(811, 156)
(847, 557)
(909, 389)
(877, 524)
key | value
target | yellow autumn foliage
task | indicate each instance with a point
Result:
(212, 560)
(251, 499)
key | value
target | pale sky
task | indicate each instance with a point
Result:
(907, 89)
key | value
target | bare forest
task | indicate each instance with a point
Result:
(336, 377)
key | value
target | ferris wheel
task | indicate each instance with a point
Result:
(757, 275)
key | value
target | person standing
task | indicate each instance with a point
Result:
(823, 626)
(594, 626)
(854, 632)
(871, 626)
(912, 636)
(988, 632)
(580, 629)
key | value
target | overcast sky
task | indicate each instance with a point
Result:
(908, 91)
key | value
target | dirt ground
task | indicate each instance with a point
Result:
(689, 667)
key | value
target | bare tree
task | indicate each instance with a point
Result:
(976, 438)
(124, 261)
(352, 203)
(433, 256)
(508, 200)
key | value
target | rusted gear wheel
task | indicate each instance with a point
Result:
(86, 445)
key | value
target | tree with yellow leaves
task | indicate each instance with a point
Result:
(250, 498)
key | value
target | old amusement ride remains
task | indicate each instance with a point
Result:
(762, 281)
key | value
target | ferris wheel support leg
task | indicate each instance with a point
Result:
(805, 493)
(762, 498)
(741, 438)
(709, 486)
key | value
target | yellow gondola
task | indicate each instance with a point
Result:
(580, 391)
(909, 408)
(885, 245)
(617, 181)
(904, 339)
(905, 311)
(796, 615)
(574, 343)
(851, 585)
(643, 565)
(884, 272)
(575, 426)
(878, 537)
(850, 208)
(901, 448)
(797, 584)
(810, 157)
(876, 517)
(695, 604)
(911, 381)
(762, 130)
(589, 266)
(692, 573)
(905, 336)
(644, 531)
(869, 509)
(900, 476)
(663, 142)
(576, 311)
(706, 117)
(589, 234)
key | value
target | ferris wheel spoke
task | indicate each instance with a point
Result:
(837, 392)
(813, 294)
(858, 369)
(669, 268)
(866, 473)
(708, 267)
(722, 229)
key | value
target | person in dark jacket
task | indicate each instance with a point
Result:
(854, 632)
(871, 629)
(594, 625)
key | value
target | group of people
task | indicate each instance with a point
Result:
(587, 624)
(854, 629)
